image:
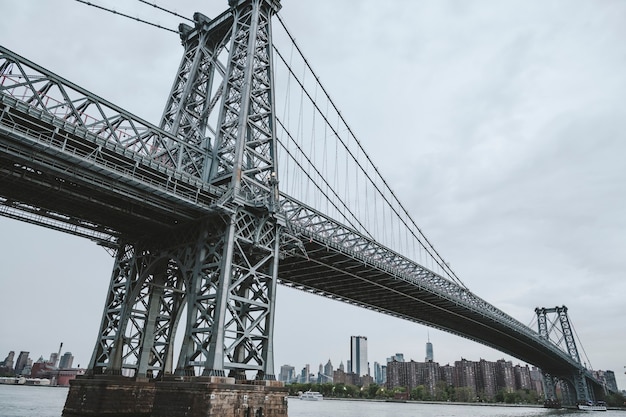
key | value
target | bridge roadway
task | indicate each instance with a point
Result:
(58, 171)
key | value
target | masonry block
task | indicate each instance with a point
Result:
(109, 396)
(219, 397)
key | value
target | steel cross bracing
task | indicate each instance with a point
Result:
(113, 172)
(560, 332)
(195, 212)
(314, 226)
(230, 296)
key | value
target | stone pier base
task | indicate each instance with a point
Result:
(110, 396)
(175, 397)
(215, 396)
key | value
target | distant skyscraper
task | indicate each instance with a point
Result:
(287, 373)
(341, 367)
(429, 351)
(398, 357)
(66, 360)
(8, 361)
(358, 355)
(378, 373)
(328, 369)
(22, 361)
(305, 374)
(54, 358)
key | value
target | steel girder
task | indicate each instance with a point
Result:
(79, 109)
(312, 224)
(144, 305)
(108, 169)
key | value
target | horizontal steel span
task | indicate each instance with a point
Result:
(115, 175)
(72, 161)
(341, 264)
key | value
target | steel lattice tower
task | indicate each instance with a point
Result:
(554, 325)
(223, 268)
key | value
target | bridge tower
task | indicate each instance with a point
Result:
(554, 325)
(216, 276)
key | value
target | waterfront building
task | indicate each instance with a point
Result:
(607, 378)
(505, 376)
(64, 376)
(486, 381)
(358, 355)
(522, 377)
(428, 375)
(413, 374)
(446, 373)
(41, 368)
(66, 360)
(466, 378)
(54, 359)
(383, 371)
(287, 373)
(397, 375)
(472, 380)
(536, 380)
(22, 361)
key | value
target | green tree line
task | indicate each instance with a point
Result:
(443, 392)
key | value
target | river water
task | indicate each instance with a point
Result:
(28, 401)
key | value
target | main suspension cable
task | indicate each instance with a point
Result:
(440, 261)
(165, 10)
(125, 15)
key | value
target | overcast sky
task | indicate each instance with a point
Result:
(500, 124)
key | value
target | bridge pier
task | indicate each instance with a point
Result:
(109, 395)
(117, 396)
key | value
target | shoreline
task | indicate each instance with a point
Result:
(379, 400)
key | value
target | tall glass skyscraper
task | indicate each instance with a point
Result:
(358, 355)
(429, 352)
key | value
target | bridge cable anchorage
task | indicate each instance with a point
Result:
(406, 219)
(125, 15)
(165, 10)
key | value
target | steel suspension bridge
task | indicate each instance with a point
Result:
(252, 178)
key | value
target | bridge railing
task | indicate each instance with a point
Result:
(40, 110)
(63, 100)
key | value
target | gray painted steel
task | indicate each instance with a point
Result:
(195, 215)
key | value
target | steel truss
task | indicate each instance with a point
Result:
(211, 164)
(224, 269)
(559, 332)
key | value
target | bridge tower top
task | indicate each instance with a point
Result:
(559, 330)
(228, 60)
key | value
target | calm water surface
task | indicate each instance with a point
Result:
(21, 401)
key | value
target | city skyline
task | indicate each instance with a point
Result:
(66, 361)
(511, 164)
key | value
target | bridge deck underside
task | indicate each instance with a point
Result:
(48, 172)
(335, 275)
